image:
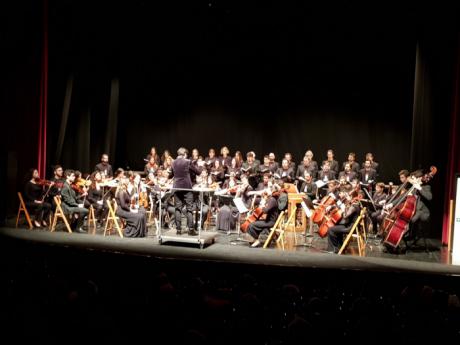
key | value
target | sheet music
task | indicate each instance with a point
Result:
(240, 205)
(320, 183)
(308, 212)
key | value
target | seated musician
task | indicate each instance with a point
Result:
(258, 231)
(136, 224)
(378, 199)
(347, 174)
(352, 161)
(81, 187)
(104, 166)
(70, 204)
(308, 186)
(96, 197)
(333, 164)
(350, 208)
(285, 173)
(34, 193)
(58, 179)
(243, 189)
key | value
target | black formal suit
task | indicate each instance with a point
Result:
(312, 168)
(377, 215)
(354, 166)
(106, 168)
(349, 176)
(309, 189)
(334, 165)
(368, 176)
(422, 212)
(330, 175)
(374, 165)
(286, 175)
(181, 169)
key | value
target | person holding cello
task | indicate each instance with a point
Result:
(258, 231)
(350, 211)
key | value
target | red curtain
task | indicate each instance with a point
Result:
(41, 164)
(453, 165)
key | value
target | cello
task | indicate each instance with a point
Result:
(403, 212)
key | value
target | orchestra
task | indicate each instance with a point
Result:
(327, 192)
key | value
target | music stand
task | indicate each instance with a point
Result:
(241, 209)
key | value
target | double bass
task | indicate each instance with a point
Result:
(398, 221)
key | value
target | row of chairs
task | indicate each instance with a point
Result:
(285, 221)
(112, 221)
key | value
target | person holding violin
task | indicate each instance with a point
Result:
(350, 210)
(136, 223)
(34, 197)
(258, 231)
(104, 166)
(58, 179)
(70, 203)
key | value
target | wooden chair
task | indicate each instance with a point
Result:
(92, 221)
(22, 208)
(59, 213)
(149, 212)
(277, 229)
(113, 219)
(358, 231)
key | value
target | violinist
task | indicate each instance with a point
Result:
(96, 197)
(34, 196)
(81, 186)
(58, 180)
(70, 203)
(104, 166)
(258, 231)
(350, 208)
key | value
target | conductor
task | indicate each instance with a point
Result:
(181, 168)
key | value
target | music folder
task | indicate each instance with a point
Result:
(367, 204)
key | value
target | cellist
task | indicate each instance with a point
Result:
(350, 208)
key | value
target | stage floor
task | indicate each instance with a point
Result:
(227, 248)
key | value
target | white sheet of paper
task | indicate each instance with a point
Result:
(240, 205)
(308, 212)
(320, 183)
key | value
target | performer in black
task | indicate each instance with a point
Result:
(104, 166)
(70, 202)
(34, 198)
(181, 169)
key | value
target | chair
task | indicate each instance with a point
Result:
(92, 220)
(59, 213)
(112, 219)
(358, 231)
(22, 208)
(278, 229)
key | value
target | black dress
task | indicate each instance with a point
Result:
(32, 192)
(136, 224)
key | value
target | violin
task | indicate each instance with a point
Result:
(43, 182)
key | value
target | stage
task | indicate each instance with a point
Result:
(227, 248)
